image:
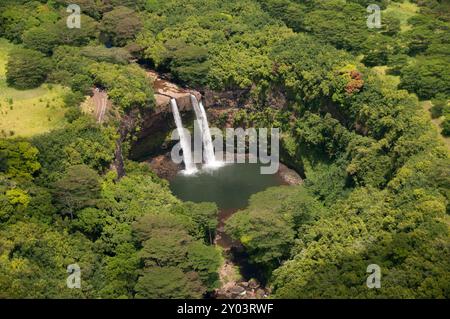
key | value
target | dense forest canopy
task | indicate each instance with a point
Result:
(376, 169)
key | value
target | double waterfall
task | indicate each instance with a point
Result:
(208, 148)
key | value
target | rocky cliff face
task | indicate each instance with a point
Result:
(157, 123)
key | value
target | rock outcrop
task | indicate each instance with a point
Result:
(165, 91)
(289, 176)
(237, 288)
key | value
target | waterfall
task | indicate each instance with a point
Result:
(208, 148)
(184, 141)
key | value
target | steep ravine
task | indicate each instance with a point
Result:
(239, 279)
(230, 188)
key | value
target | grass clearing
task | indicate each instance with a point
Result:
(393, 80)
(402, 11)
(26, 113)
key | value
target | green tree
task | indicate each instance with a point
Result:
(73, 114)
(427, 77)
(205, 216)
(77, 189)
(165, 248)
(440, 106)
(19, 158)
(120, 25)
(390, 24)
(377, 49)
(77, 36)
(26, 68)
(205, 260)
(92, 8)
(35, 259)
(119, 273)
(81, 142)
(43, 38)
(15, 19)
(265, 230)
(187, 62)
(168, 282)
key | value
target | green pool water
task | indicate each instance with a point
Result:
(229, 186)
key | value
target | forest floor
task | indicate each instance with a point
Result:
(28, 112)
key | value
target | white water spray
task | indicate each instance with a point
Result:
(185, 143)
(208, 148)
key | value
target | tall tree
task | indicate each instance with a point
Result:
(26, 68)
(120, 25)
(77, 189)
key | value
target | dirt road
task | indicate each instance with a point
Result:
(100, 99)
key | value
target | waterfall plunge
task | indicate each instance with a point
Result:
(208, 148)
(184, 141)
